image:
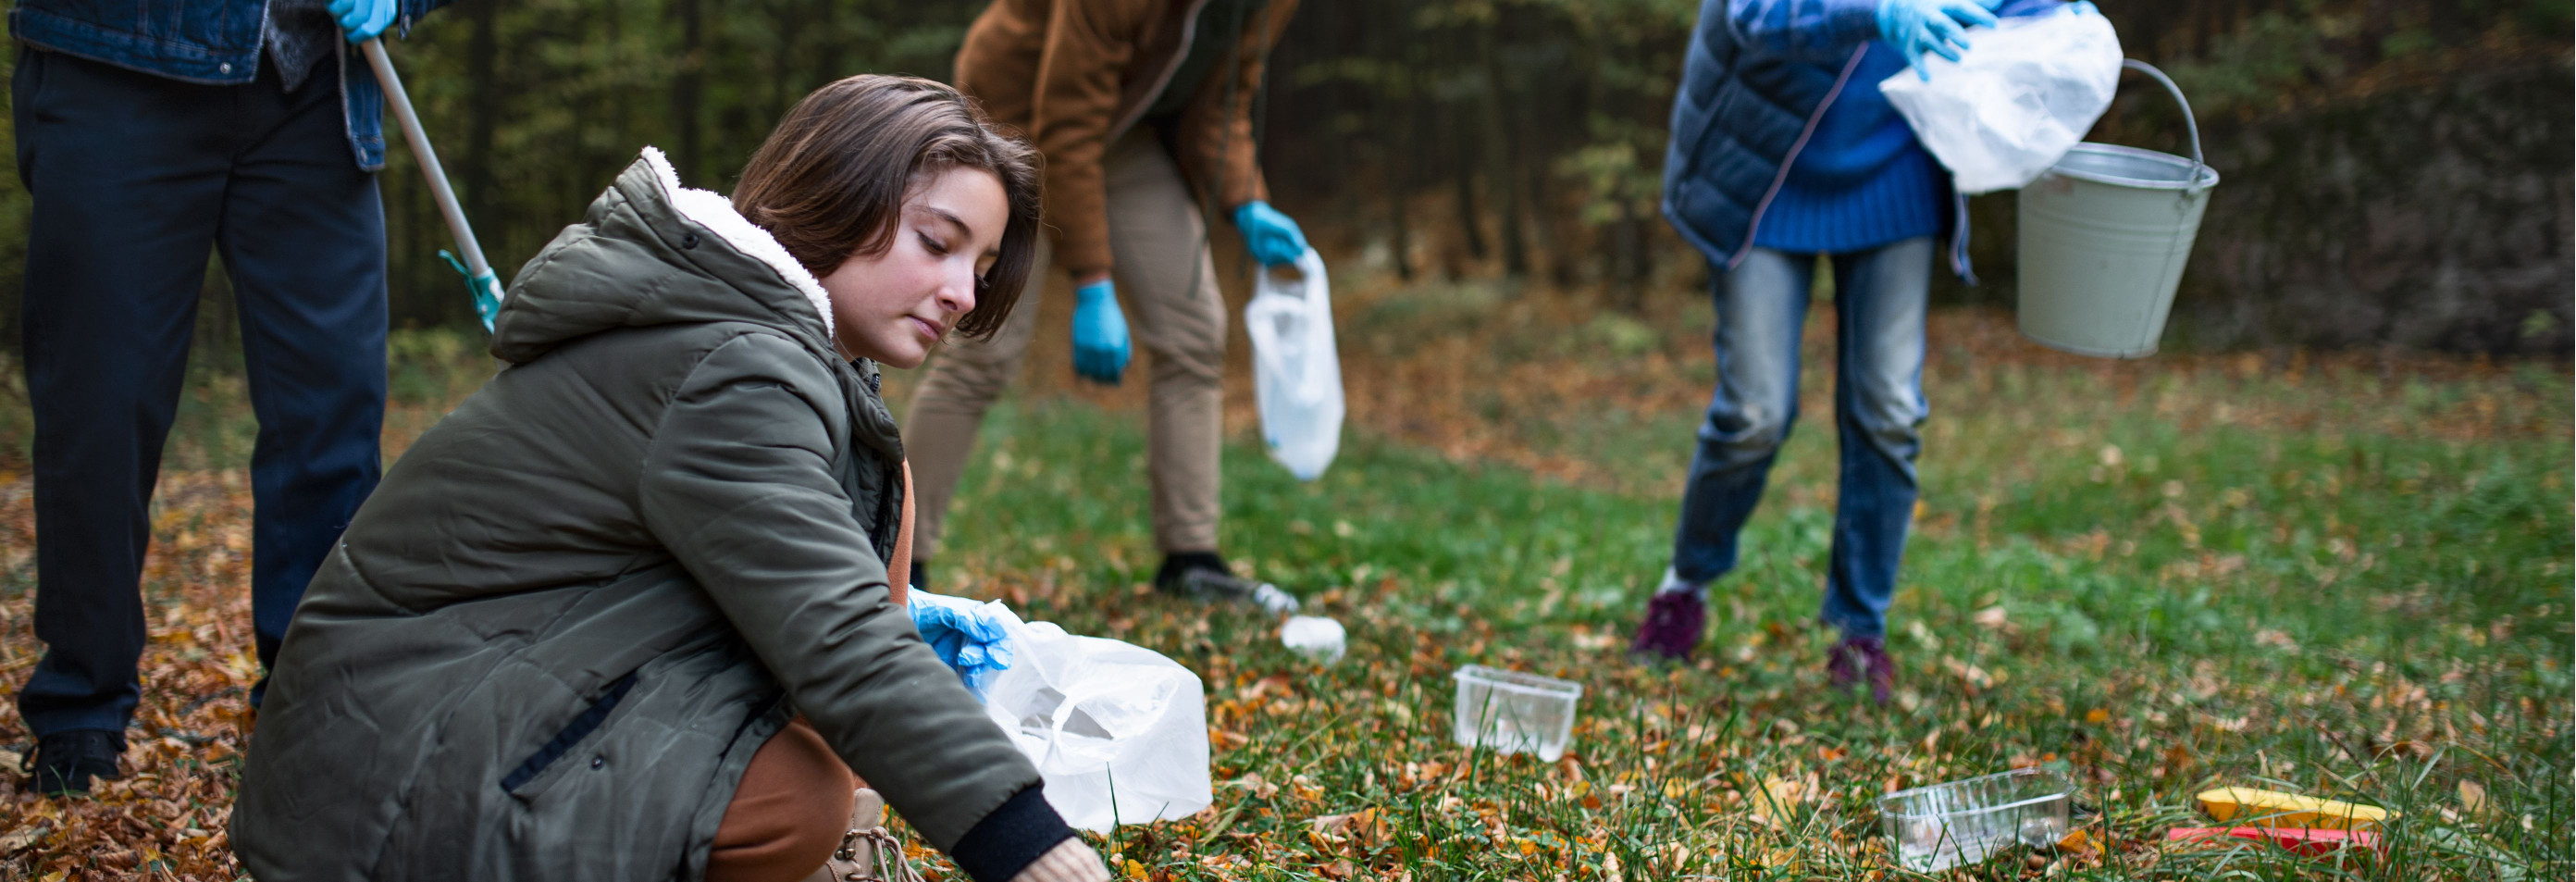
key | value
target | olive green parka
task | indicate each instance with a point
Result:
(548, 645)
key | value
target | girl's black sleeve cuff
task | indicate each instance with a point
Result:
(1013, 836)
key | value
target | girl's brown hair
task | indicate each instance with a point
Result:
(832, 179)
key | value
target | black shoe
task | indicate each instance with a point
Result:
(1173, 577)
(1202, 575)
(64, 762)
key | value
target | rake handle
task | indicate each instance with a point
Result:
(400, 102)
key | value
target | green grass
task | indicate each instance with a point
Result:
(2134, 584)
(2332, 578)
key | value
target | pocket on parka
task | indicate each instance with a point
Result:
(540, 770)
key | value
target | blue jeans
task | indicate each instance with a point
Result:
(135, 178)
(1879, 410)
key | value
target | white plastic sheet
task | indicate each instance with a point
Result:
(2023, 94)
(1296, 371)
(1101, 717)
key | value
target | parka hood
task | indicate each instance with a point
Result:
(651, 252)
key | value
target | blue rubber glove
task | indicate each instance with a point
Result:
(969, 635)
(1272, 238)
(1100, 349)
(364, 19)
(1935, 27)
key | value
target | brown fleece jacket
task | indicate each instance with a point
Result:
(1078, 74)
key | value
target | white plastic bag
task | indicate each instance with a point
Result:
(2023, 94)
(1099, 716)
(1296, 373)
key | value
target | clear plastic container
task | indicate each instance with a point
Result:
(1963, 822)
(1513, 712)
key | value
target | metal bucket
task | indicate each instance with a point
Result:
(2104, 236)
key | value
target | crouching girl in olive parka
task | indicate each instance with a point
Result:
(625, 614)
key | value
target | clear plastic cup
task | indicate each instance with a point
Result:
(1963, 822)
(1513, 712)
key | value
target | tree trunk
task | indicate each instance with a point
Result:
(827, 50)
(1630, 253)
(1401, 228)
(1462, 174)
(686, 88)
(1502, 162)
(484, 94)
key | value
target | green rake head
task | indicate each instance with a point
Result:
(486, 289)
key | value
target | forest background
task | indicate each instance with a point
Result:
(2321, 544)
(2397, 172)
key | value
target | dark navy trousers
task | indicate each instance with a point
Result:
(135, 177)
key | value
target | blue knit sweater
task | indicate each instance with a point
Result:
(1862, 180)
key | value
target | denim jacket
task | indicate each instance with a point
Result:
(216, 42)
(1758, 75)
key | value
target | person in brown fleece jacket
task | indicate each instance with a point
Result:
(1142, 110)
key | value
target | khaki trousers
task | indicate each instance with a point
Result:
(1167, 289)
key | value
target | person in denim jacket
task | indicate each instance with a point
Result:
(1783, 150)
(147, 133)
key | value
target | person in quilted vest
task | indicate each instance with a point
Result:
(1784, 154)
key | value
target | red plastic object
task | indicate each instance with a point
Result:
(2303, 840)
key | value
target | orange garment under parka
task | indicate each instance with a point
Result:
(1076, 75)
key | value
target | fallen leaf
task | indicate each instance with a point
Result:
(20, 839)
(1783, 795)
(2473, 797)
(2077, 841)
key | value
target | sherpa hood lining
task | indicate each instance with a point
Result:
(714, 212)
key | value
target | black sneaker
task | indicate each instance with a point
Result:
(64, 762)
(1202, 575)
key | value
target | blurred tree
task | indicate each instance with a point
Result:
(2364, 142)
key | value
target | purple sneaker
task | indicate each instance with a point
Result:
(1856, 658)
(1672, 627)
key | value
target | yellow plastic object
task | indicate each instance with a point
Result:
(2269, 808)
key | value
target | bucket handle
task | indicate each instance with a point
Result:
(2190, 124)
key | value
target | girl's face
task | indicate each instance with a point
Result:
(892, 307)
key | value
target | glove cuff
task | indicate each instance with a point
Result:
(1096, 292)
(1011, 838)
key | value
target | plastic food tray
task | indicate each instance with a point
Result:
(1963, 822)
(1514, 712)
